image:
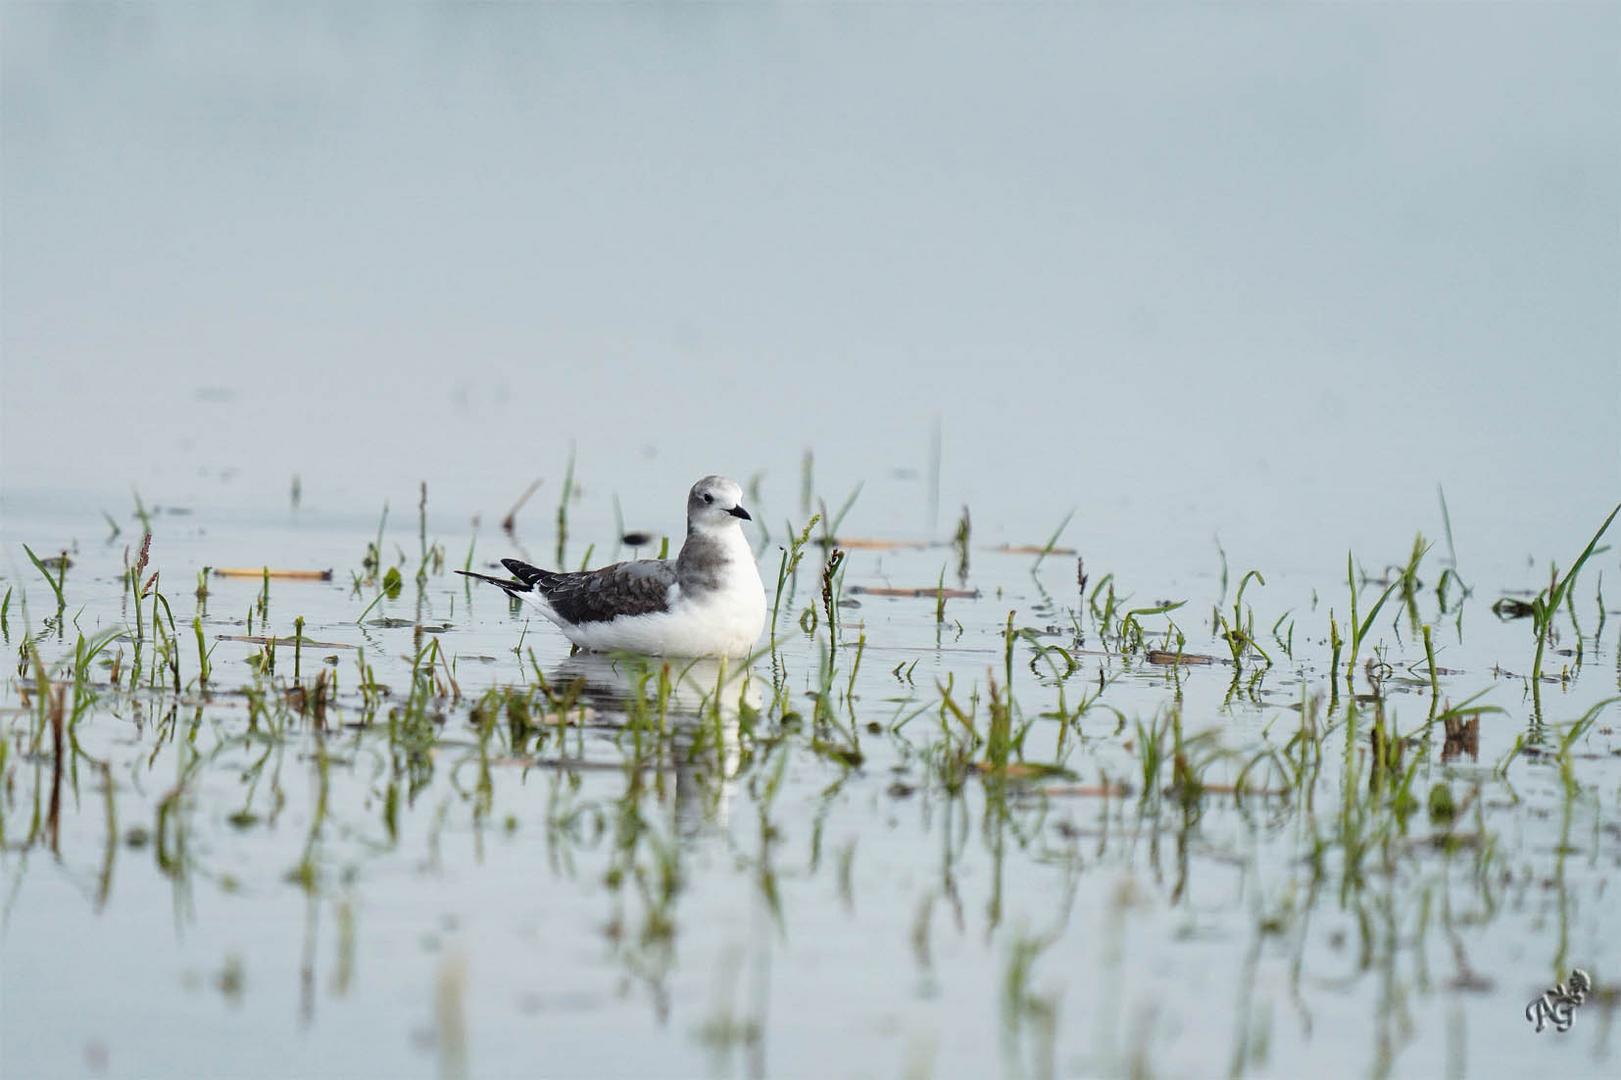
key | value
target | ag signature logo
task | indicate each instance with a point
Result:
(1560, 1003)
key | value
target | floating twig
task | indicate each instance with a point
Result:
(1029, 549)
(1160, 656)
(254, 639)
(262, 572)
(931, 592)
(873, 543)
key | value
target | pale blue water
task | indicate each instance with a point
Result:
(1254, 282)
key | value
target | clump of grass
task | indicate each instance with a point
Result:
(1359, 627)
(391, 585)
(1408, 580)
(1568, 740)
(1151, 755)
(786, 568)
(1546, 605)
(165, 643)
(832, 522)
(1240, 633)
(1131, 627)
(1104, 613)
(999, 739)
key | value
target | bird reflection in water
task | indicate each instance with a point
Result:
(691, 712)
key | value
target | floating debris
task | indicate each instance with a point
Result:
(1022, 770)
(262, 572)
(1509, 608)
(871, 543)
(254, 639)
(1089, 791)
(930, 592)
(1160, 656)
(1206, 788)
(1029, 549)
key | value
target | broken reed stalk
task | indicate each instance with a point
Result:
(509, 524)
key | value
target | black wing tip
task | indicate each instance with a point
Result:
(509, 586)
(529, 575)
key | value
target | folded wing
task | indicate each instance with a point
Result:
(628, 588)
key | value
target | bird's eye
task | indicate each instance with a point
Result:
(709, 498)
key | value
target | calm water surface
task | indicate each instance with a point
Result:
(1235, 290)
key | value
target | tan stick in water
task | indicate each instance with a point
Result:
(929, 591)
(262, 571)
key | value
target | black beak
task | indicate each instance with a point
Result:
(739, 512)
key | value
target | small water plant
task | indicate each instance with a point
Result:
(1548, 601)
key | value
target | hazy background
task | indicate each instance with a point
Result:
(1270, 273)
(1273, 272)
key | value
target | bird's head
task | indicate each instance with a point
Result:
(714, 504)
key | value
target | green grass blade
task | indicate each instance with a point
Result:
(1570, 575)
(56, 586)
(1052, 541)
(1367, 624)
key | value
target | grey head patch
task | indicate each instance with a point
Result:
(628, 588)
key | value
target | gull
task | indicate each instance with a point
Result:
(708, 601)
